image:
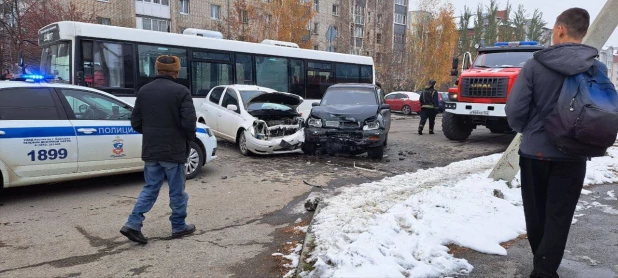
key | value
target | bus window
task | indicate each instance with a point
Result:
(347, 73)
(244, 69)
(107, 65)
(297, 77)
(272, 72)
(56, 61)
(148, 55)
(317, 83)
(366, 74)
(206, 75)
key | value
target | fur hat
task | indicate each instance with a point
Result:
(167, 63)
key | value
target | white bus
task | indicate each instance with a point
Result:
(120, 60)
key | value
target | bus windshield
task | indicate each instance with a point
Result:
(502, 59)
(56, 61)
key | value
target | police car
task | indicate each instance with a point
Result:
(57, 132)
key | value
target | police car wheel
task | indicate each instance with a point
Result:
(195, 161)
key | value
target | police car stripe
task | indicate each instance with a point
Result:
(35, 132)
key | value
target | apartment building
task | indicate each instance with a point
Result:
(609, 56)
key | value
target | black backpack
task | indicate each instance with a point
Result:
(584, 122)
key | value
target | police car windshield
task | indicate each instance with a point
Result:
(350, 96)
(502, 59)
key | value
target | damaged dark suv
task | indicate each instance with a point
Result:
(350, 119)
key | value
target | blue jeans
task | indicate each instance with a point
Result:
(154, 174)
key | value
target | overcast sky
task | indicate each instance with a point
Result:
(550, 8)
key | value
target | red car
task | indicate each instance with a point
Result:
(406, 102)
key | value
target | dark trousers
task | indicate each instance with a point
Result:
(550, 191)
(428, 113)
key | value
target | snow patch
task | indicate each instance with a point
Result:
(293, 257)
(612, 196)
(400, 226)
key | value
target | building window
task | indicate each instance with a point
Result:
(215, 12)
(400, 2)
(358, 31)
(153, 24)
(378, 38)
(315, 28)
(244, 16)
(269, 18)
(359, 15)
(336, 10)
(165, 2)
(184, 6)
(316, 5)
(315, 47)
(379, 19)
(399, 38)
(378, 57)
(104, 21)
(400, 19)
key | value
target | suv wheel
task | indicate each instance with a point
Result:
(376, 153)
(195, 161)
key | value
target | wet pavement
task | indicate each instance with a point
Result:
(242, 207)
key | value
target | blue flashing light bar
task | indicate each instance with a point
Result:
(35, 77)
(519, 43)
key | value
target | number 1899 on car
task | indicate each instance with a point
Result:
(51, 154)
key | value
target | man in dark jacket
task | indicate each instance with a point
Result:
(165, 115)
(429, 107)
(551, 181)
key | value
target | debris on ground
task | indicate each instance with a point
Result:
(311, 203)
(498, 194)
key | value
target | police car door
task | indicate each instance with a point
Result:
(105, 137)
(36, 137)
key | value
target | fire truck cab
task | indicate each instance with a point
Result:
(483, 87)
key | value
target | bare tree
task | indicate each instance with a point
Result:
(519, 23)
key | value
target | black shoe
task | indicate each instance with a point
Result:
(431, 132)
(133, 235)
(189, 229)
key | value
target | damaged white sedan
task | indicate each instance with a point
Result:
(259, 120)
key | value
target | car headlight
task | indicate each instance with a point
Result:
(313, 122)
(452, 96)
(371, 125)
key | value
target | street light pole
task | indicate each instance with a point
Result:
(228, 19)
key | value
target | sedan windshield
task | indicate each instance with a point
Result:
(248, 95)
(502, 59)
(349, 96)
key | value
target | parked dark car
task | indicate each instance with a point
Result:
(351, 119)
(442, 96)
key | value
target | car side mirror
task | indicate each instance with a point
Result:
(385, 107)
(232, 107)
(315, 104)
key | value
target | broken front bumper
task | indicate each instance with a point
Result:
(280, 145)
(349, 141)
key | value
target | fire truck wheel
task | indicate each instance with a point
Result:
(455, 127)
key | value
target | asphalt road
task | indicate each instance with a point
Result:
(243, 208)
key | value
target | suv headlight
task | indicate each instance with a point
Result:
(313, 122)
(371, 125)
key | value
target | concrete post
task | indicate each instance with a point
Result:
(599, 32)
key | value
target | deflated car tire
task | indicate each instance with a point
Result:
(376, 153)
(308, 148)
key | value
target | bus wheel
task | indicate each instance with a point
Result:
(455, 127)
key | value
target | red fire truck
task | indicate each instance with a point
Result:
(483, 87)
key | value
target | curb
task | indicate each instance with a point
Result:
(304, 253)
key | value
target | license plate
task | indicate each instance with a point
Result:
(332, 123)
(479, 112)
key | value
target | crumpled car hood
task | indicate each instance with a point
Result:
(287, 99)
(357, 113)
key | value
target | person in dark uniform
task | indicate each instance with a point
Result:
(429, 107)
